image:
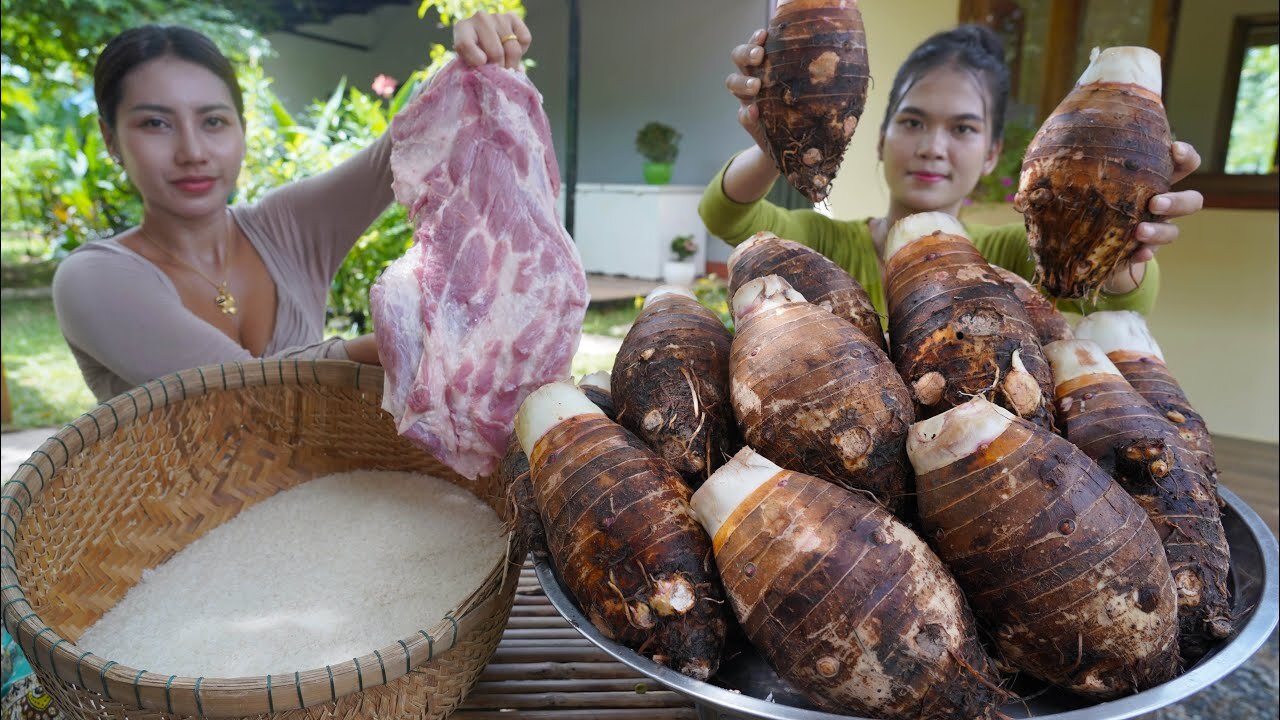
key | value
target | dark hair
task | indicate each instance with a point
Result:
(973, 48)
(136, 46)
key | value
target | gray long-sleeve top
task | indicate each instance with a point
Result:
(126, 324)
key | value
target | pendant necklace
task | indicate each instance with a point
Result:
(225, 301)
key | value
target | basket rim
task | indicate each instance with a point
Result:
(211, 696)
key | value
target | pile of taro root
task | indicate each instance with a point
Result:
(898, 527)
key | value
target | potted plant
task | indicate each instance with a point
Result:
(681, 270)
(659, 145)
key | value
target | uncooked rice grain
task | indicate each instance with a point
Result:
(316, 575)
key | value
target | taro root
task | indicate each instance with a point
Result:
(1049, 322)
(810, 273)
(842, 599)
(1090, 172)
(812, 393)
(813, 87)
(1128, 438)
(956, 330)
(621, 534)
(1123, 335)
(670, 383)
(596, 386)
(1057, 561)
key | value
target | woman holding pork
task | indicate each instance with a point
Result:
(941, 133)
(199, 282)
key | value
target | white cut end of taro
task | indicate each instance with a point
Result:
(955, 434)
(1119, 330)
(728, 486)
(763, 293)
(745, 247)
(1071, 359)
(599, 379)
(913, 227)
(1129, 65)
(661, 290)
(547, 407)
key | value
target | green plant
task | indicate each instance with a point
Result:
(658, 143)
(713, 292)
(683, 247)
(1000, 185)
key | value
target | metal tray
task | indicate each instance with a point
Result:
(747, 687)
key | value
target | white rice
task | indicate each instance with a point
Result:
(316, 575)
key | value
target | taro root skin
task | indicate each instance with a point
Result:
(956, 330)
(670, 384)
(1109, 421)
(621, 534)
(844, 600)
(812, 392)
(1124, 336)
(809, 272)
(1049, 322)
(1055, 558)
(1089, 174)
(813, 88)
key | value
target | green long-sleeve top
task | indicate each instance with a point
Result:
(848, 243)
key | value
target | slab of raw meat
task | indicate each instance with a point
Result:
(487, 305)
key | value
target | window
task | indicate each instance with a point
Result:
(1252, 110)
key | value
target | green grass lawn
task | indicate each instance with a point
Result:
(612, 319)
(45, 386)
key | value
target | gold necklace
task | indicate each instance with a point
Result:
(225, 301)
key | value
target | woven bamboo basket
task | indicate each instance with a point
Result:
(126, 486)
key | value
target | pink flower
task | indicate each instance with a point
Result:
(384, 86)
(968, 201)
(1008, 198)
(1006, 181)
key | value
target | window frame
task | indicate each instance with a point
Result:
(1219, 189)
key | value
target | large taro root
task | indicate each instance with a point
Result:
(810, 273)
(1091, 171)
(813, 86)
(811, 392)
(1048, 321)
(670, 383)
(621, 534)
(1057, 561)
(842, 599)
(956, 330)
(1123, 335)
(1128, 438)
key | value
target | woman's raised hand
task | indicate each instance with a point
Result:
(744, 86)
(500, 38)
(1153, 235)
(1170, 205)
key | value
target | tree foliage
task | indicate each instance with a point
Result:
(61, 185)
(1252, 147)
(451, 10)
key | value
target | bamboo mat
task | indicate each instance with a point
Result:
(545, 670)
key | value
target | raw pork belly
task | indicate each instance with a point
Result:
(487, 305)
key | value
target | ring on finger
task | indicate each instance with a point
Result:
(508, 38)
